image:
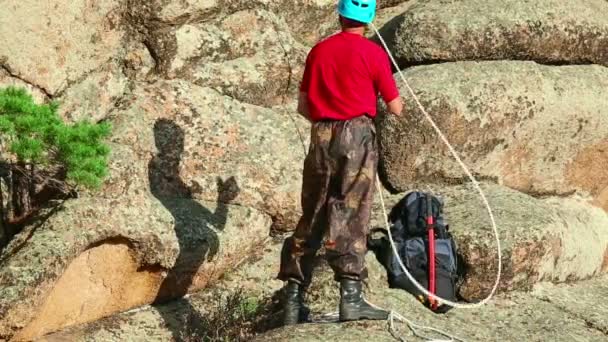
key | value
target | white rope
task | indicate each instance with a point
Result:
(414, 327)
(441, 301)
(334, 317)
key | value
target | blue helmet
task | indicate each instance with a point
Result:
(360, 10)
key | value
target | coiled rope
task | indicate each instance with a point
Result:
(469, 175)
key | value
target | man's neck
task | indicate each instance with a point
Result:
(355, 30)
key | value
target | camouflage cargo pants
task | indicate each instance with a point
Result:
(337, 195)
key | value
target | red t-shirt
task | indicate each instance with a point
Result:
(343, 75)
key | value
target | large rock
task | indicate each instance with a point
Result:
(512, 316)
(55, 45)
(253, 51)
(312, 21)
(203, 135)
(10, 80)
(249, 55)
(196, 181)
(96, 95)
(244, 49)
(96, 257)
(91, 98)
(387, 11)
(542, 130)
(542, 240)
(76, 53)
(547, 31)
(382, 4)
(579, 300)
(309, 20)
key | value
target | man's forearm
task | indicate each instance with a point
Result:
(395, 106)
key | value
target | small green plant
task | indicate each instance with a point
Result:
(39, 152)
(232, 316)
(249, 307)
(36, 135)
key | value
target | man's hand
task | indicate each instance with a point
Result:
(395, 106)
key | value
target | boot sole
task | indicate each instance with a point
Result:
(363, 317)
(290, 321)
(302, 321)
(303, 317)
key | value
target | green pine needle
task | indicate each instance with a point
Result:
(31, 131)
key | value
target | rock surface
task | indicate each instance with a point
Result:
(309, 20)
(249, 55)
(113, 255)
(203, 135)
(54, 45)
(174, 162)
(245, 49)
(510, 317)
(95, 95)
(184, 169)
(253, 51)
(387, 11)
(546, 31)
(543, 244)
(7, 79)
(538, 129)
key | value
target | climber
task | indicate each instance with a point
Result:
(338, 95)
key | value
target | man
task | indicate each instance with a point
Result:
(338, 94)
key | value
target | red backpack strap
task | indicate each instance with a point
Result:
(430, 224)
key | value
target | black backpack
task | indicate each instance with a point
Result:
(409, 228)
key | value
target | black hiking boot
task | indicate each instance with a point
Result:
(294, 310)
(353, 306)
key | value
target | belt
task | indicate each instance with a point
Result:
(336, 120)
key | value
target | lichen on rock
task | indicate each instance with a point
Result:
(520, 124)
(546, 31)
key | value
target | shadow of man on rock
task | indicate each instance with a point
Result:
(195, 227)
